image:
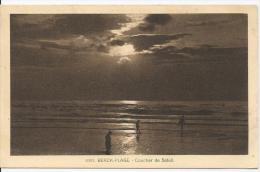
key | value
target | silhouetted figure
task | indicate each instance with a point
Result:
(181, 123)
(137, 124)
(108, 143)
(137, 137)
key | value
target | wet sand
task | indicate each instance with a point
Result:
(51, 141)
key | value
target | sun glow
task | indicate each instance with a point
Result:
(127, 49)
(124, 50)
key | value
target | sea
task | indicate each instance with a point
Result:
(79, 127)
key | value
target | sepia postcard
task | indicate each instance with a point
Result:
(129, 86)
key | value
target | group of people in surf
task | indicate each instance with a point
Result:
(108, 140)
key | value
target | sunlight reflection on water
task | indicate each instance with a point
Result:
(129, 144)
(132, 102)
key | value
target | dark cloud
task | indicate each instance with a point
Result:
(145, 41)
(117, 42)
(215, 19)
(48, 44)
(80, 32)
(102, 48)
(146, 27)
(31, 26)
(91, 23)
(152, 20)
(159, 19)
(203, 54)
(165, 50)
(69, 47)
(38, 26)
(207, 23)
(72, 47)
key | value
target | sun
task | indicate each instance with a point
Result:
(124, 60)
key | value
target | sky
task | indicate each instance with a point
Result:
(129, 57)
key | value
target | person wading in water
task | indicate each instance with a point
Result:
(181, 123)
(137, 125)
(108, 143)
